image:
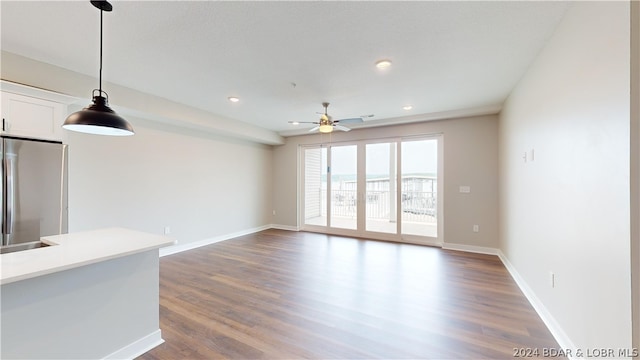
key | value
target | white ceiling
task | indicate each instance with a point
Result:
(448, 57)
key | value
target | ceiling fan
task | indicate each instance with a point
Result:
(326, 124)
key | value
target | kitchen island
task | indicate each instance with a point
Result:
(88, 295)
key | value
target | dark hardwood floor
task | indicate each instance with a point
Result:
(289, 295)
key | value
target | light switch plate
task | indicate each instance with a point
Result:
(465, 189)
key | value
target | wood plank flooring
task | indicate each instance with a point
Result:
(289, 295)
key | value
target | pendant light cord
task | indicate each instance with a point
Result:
(100, 76)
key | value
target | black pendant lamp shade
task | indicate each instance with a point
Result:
(98, 118)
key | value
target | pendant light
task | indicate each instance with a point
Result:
(98, 118)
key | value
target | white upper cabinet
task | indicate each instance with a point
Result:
(27, 116)
(32, 112)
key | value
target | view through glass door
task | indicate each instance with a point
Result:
(381, 189)
(344, 187)
(394, 196)
(420, 188)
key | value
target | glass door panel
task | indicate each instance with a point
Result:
(315, 186)
(419, 188)
(344, 187)
(381, 189)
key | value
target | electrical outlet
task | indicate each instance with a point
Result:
(476, 228)
(274, 213)
(167, 230)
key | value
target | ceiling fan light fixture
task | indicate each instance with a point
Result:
(327, 125)
(325, 128)
(98, 118)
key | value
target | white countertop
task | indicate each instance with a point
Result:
(69, 251)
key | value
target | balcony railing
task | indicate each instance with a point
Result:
(417, 206)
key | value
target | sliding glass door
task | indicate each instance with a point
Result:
(419, 191)
(344, 187)
(385, 189)
(381, 189)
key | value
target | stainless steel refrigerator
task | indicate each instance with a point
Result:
(34, 189)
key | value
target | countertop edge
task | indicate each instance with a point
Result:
(46, 270)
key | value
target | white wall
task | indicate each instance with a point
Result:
(470, 158)
(568, 210)
(199, 185)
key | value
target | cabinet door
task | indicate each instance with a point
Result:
(31, 117)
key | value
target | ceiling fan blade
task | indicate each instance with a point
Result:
(315, 129)
(341, 128)
(303, 122)
(349, 121)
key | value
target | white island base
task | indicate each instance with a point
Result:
(100, 300)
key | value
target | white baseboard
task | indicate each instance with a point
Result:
(553, 326)
(196, 244)
(470, 248)
(138, 347)
(285, 227)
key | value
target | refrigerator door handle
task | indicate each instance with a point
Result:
(8, 196)
(3, 206)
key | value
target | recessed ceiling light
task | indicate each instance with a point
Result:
(407, 107)
(383, 64)
(295, 123)
(233, 99)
